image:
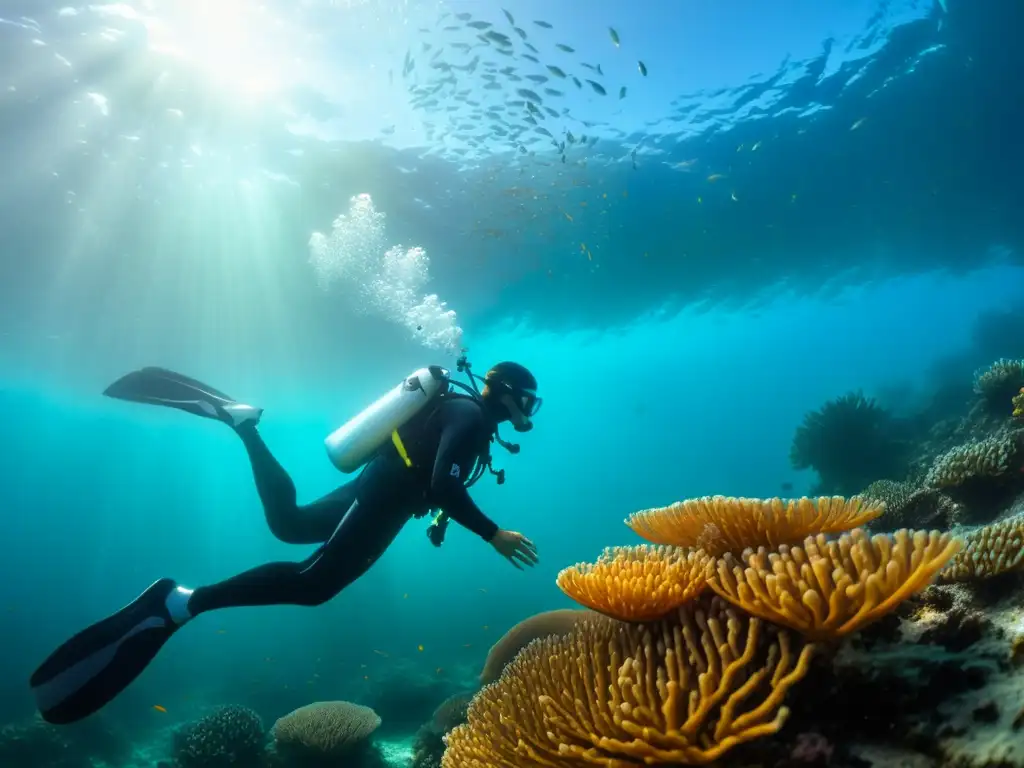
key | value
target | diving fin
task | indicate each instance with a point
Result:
(160, 386)
(95, 665)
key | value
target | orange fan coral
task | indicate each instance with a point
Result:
(637, 583)
(826, 589)
(680, 691)
(720, 524)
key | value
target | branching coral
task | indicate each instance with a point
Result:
(988, 551)
(998, 383)
(229, 736)
(637, 583)
(992, 457)
(558, 622)
(720, 524)
(829, 588)
(684, 690)
(850, 442)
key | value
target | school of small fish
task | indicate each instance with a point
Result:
(478, 80)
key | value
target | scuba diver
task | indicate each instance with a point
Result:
(419, 446)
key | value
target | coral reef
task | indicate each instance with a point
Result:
(998, 383)
(709, 677)
(683, 690)
(326, 733)
(228, 736)
(985, 460)
(850, 442)
(1018, 404)
(34, 743)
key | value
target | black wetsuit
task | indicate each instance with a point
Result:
(357, 522)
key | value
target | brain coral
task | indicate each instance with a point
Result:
(325, 729)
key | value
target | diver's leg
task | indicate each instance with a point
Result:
(309, 524)
(95, 665)
(362, 536)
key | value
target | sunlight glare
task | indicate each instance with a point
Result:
(228, 40)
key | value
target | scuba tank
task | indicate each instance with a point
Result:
(353, 444)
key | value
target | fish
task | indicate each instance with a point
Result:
(557, 72)
(567, 215)
(597, 88)
(614, 36)
(532, 48)
(622, 92)
(509, 17)
(715, 177)
(463, 16)
(569, 137)
(564, 47)
(858, 124)
(551, 112)
(419, 648)
(479, 24)
(642, 67)
(158, 708)
(543, 25)
(530, 57)
(577, 81)
(520, 32)
(537, 78)
(380, 653)
(497, 37)
(526, 93)
(544, 131)
(553, 92)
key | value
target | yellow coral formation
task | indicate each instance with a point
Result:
(827, 589)
(992, 457)
(684, 690)
(557, 622)
(720, 524)
(988, 551)
(639, 583)
(1018, 404)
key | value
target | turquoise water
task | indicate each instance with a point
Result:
(679, 326)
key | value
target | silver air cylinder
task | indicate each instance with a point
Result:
(350, 446)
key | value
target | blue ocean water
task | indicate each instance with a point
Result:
(798, 200)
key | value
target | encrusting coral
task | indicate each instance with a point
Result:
(684, 690)
(639, 583)
(830, 588)
(720, 524)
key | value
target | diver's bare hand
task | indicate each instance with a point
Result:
(515, 548)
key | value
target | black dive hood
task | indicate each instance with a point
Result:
(463, 365)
